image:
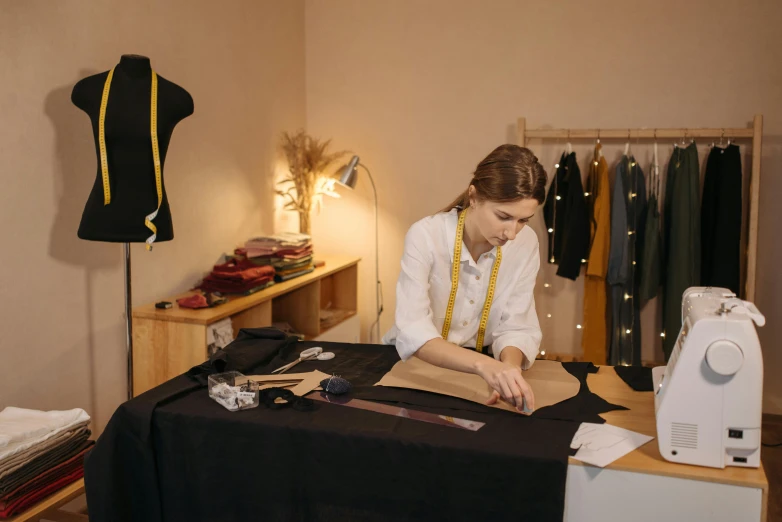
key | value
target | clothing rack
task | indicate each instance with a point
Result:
(755, 133)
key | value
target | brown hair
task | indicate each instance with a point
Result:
(508, 173)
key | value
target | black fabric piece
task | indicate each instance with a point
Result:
(567, 218)
(333, 463)
(48, 460)
(585, 406)
(107, 474)
(721, 219)
(638, 378)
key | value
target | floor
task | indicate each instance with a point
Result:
(772, 463)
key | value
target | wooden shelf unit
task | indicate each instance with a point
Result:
(167, 343)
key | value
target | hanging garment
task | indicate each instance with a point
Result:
(628, 223)
(721, 219)
(567, 219)
(682, 238)
(652, 255)
(594, 340)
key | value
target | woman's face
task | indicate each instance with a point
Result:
(500, 222)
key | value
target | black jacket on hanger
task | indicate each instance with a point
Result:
(721, 219)
(567, 219)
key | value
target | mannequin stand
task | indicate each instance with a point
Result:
(128, 332)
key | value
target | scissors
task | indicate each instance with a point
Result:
(307, 355)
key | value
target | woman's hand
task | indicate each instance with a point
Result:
(507, 382)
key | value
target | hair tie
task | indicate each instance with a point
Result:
(269, 398)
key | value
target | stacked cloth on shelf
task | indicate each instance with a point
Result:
(238, 276)
(288, 253)
(40, 453)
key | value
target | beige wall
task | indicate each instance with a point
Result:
(62, 342)
(422, 90)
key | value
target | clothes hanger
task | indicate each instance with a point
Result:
(627, 144)
(568, 146)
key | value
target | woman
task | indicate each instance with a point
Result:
(433, 322)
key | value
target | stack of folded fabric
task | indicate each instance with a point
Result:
(40, 453)
(289, 253)
(238, 276)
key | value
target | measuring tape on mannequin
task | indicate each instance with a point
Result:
(104, 164)
(457, 257)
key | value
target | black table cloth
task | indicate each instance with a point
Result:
(174, 454)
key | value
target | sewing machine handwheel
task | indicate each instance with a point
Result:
(724, 357)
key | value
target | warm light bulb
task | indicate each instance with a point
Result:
(559, 197)
(543, 352)
(632, 164)
(595, 163)
(633, 263)
(627, 297)
(556, 165)
(630, 233)
(627, 331)
(578, 326)
(586, 194)
(662, 334)
(550, 230)
(548, 315)
(632, 195)
(546, 285)
(583, 260)
(552, 259)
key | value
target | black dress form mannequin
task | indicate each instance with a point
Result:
(129, 151)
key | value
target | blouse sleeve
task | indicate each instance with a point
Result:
(519, 326)
(413, 309)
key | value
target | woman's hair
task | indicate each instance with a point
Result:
(508, 173)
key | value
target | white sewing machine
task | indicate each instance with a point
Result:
(708, 399)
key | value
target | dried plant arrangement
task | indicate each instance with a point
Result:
(306, 182)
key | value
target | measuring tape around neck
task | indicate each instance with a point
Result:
(104, 164)
(457, 261)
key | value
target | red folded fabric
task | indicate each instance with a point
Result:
(210, 284)
(50, 475)
(194, 301)
(247, 274)
(237, 266)
(24, 502)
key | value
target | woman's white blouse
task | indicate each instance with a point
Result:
(424, 286)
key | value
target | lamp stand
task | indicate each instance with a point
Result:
(378, 285)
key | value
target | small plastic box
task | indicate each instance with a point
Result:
(223, 389)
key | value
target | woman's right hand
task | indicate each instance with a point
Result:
(506, 382)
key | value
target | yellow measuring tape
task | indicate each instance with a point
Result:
(457, 257)
(104, 164)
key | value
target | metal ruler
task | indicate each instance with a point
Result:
(396, 411)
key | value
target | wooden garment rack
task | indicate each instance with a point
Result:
(755, 133)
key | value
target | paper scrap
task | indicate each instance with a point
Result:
(602, 444)
(303, 382)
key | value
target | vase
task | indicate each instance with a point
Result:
(305, 225)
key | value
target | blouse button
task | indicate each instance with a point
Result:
(472, 301)
(464, 323)
(477, 277)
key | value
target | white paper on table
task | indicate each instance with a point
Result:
(601, 444)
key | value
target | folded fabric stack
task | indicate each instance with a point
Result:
(238, 276)
(289, 253)
(40, 453)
